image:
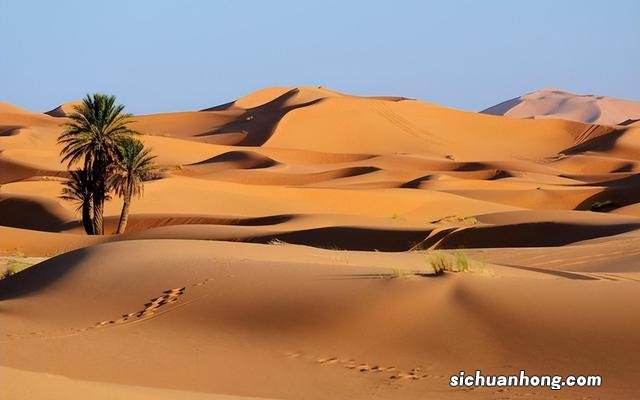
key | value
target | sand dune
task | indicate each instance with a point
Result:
(555, 103)
(289, 322)
(63, 110)
(287, 249)
(336, 124)
(10, 108)
(28, 385)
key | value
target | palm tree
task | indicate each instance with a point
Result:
(92, 137)
(78, 189)
(127, 178)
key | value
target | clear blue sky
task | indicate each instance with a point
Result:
(161, 56)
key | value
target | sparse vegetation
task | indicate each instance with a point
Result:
(462, 262)
(395, 273)
(14, 266)
(154, 175)
(441, 262)
(603, 206)
(401, 273)
(456, 219)
(7, 273)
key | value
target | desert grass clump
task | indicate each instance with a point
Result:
(462, 262)
(397, 273)
(13, 267)
(441, 262)
(7, 273)
(455, 218)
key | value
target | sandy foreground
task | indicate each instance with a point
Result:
(287, 251)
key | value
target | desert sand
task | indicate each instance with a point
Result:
(556, 103)
(287, 250)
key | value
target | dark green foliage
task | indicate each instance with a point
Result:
(132, 166)
(92, 139)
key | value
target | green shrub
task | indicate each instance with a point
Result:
(442, 262)
(462, 262)
(14, 266)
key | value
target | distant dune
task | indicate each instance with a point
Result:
(63, 110)
(555, 103)
(290, 246)
(10, 108)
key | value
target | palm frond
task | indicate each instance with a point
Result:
(133, 165)
(94, 130)
(78, 188)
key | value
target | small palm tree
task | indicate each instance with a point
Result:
(97, 127)
(131, 168)
(78, 189)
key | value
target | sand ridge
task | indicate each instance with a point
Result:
(556, 103)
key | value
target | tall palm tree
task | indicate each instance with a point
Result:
(92, 136)
(129, 172)
(78, 189)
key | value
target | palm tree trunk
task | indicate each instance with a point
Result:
(99, 173)
(124, 215)
(98, 209)
(87, 221)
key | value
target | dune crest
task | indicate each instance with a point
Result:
(555, 103)
(63, 110)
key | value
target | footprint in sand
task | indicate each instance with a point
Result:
(352, 364)
(204, 282)
(169, 296)
(415, 374)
